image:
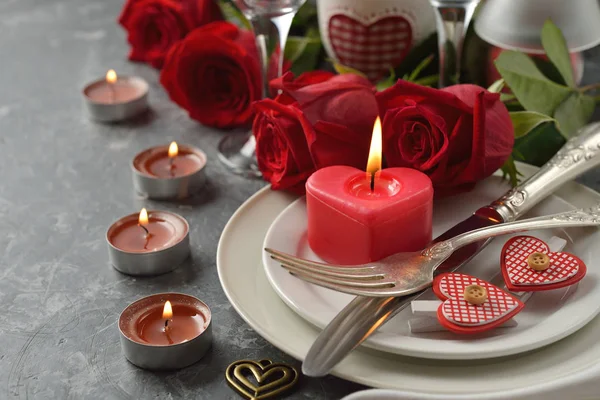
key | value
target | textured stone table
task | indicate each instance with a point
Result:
(63, 180)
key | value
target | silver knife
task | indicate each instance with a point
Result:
(364, 315)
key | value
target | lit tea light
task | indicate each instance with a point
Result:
(116, 98)
(169, 172)
(165, 331)
(148, 243)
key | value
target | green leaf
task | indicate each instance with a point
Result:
(534, 91)
(430, 80)
(305, 15)
(556, 49)
(525, 121)
(497, 86)
(303, 51)
(549, 70)
(540, 145)
(387, 82)
(422, 65)
(574, 113)
(509, 169)
(233, 14)
(344, 69)
(504, 97)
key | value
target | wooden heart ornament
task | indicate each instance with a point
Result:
(372, 48)
(271, 379)
(458, 315)
(565, 269)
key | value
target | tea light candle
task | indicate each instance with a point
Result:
(165, 331)
(356, 217)
(169, 172)
(148, 243)
(115, 98)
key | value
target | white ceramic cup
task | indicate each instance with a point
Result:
(373, 36)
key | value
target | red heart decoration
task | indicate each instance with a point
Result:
(371, 48)
(458, 315)
(565, 269)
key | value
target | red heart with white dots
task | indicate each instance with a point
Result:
(460, 316)
(371, 48)
(565, 269)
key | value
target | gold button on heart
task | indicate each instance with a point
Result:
(272, 379)
(538, 261)
(475, 294)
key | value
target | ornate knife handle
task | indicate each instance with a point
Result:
(579, 154)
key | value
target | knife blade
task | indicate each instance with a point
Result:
(364, 315)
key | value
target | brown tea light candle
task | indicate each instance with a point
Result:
(148, 243)
(169, 172)
(116, 98)
(165, 331)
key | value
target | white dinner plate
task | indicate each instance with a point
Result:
(548, 316)
(239, 264)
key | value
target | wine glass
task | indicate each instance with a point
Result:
(271, 21)
(452, 18)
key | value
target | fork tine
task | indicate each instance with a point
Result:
(351, 282)
(341, 288)
(344, 273)
(322, 267)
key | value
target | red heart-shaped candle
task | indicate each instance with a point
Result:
(458, 315)
(565, 269)
(348, 223)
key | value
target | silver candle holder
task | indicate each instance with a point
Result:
(178, 186)
(151, 356)
(151, 261)
(115, 99)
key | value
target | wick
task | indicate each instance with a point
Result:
(372, 182)
(167, 332)
(145, 229)
(171, 165)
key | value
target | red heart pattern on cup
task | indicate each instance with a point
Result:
(371, 48)
(458, 315)
(565, 269)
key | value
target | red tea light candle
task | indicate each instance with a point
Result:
(165, 331)
(148, 243)
(116, 98)
(356, 217)
(169, 172)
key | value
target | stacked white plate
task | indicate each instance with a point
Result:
(289, 313)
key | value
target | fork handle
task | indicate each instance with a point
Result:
(574, 218)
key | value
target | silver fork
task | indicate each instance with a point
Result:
(402, 274)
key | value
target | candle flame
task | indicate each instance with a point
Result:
(374, 161)
(111, 76)
(167, 310)
(173, 150)
(143, 219)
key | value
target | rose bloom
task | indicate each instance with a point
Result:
(457, 135)
(319, 119)
(154, 25)
(214, 74)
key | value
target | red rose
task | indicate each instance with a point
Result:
(214, 74)
(154, 25)
(457, 135)
(318, 120)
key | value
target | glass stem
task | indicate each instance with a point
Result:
(452, 20)
(277, 30)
